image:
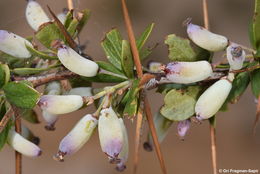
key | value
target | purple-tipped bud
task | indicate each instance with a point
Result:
(206, 39)
(123, 155)
(77, 137)
(187, 72)
(60, 104)
(236, 56)
(22, 145)
(110, 133)
(182, 128)
(14, 45)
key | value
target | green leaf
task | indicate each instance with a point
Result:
(255, 82)
(144, 53)
(179, 49)
(69, 18)
(105, 78)
(48, 33)
(4, 133)
(163, 89)
(144, 36)
(239, 86)
(30, 71)
(255, 26)
(30, 116)
(40, 54)
(162, 126)
(202, 54)
(4, 74)
(14, 62)
(112, 46)
(109, 67)
(132, 102)
(21, 94)
(121, 106)
(84, 19)
(72, 29)
(179, 105)
(79, 82)
(127, 60)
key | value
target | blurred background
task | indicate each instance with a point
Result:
(237, 147)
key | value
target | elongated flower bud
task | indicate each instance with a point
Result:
(26, 133)
(110, 134)
(212, 99)
(52, 88)
(206, 39)
(188, 72)
(236, 56)
(60, 104)
(14, 45)
(82, 91)
(76, 63)
(35, 15)
(182, 128)
(22, 145)
(77, 137)
(123, 155)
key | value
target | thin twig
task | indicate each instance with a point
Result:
(46, 78)
(67, 36)
(5, 119)
(213, 148)
(149, 117)
(212, 128)
(131, 36)
(70, 4)
(18, 156)
(139, 70)
(138, 132)
(205, 14)
(246, 69)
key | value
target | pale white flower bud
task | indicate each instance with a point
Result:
(60, 104)
(14, 45)
(236, 56)
(212, 99)
(35, 15)
(206, 39)
(77, 137)
(22, 145)
(187, 72)
(76, 63)
(110, 134)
